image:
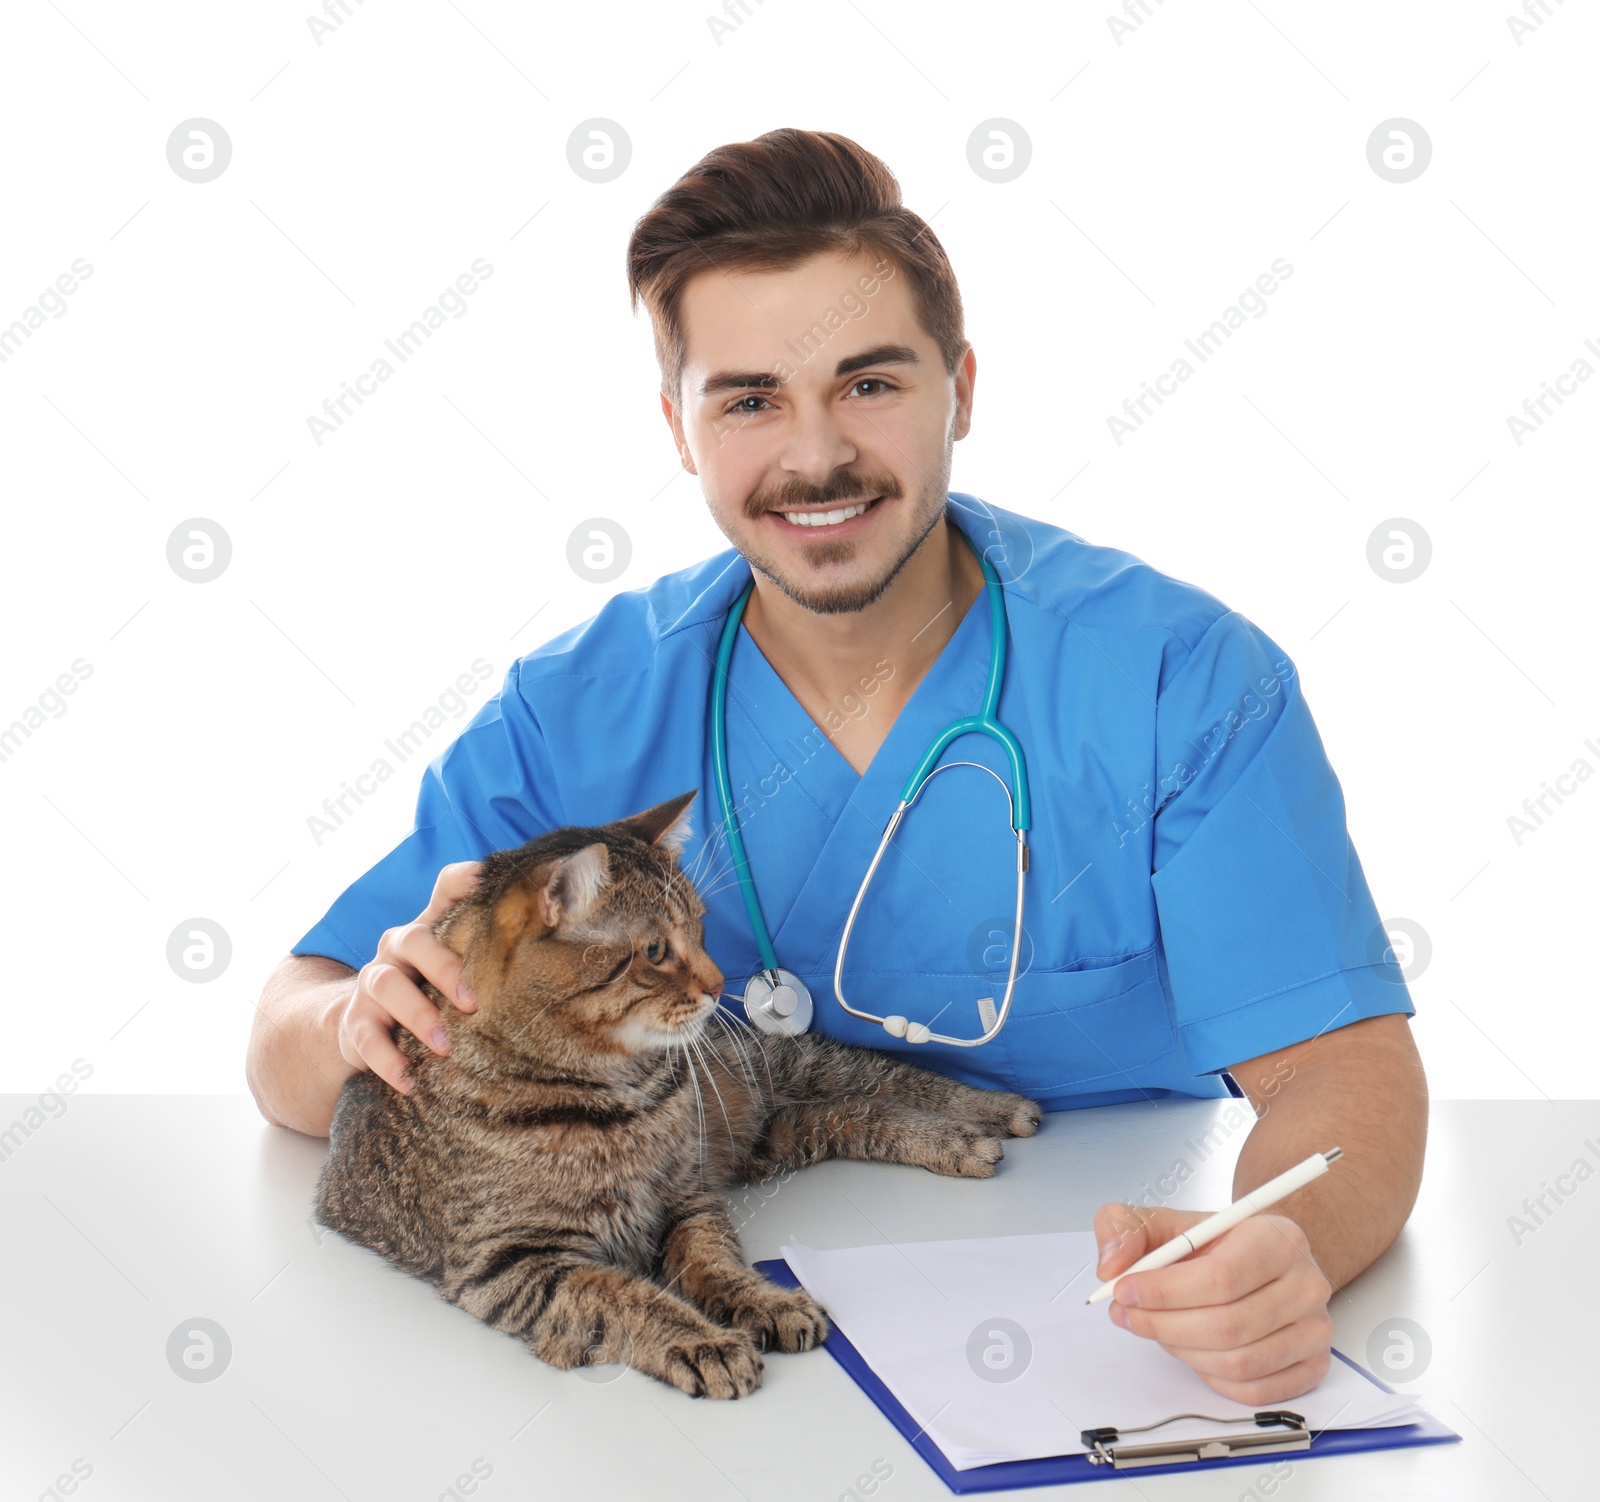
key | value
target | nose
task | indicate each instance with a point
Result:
(710, 979)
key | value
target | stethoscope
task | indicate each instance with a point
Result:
(777, 1000)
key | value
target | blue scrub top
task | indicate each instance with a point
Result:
(1194, 899)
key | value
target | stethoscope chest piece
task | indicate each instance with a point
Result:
(784, 1007)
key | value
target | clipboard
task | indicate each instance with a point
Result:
(1273, 1432)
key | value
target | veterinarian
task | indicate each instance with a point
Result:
(1197, 922)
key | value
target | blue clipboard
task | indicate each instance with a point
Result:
(1059, 1470)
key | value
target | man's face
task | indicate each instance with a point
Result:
(809, 394)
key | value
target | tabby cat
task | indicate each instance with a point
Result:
(560, 1173)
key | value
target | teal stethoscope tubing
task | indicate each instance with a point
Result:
(982, 723)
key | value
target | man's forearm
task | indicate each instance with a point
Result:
(1361, 1088)
(293, 1065)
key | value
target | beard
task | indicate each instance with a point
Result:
(843, 598)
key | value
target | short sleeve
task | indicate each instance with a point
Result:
(489, 789)
(1268, 932)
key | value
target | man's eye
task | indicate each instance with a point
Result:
(882, 385)
(656, 951)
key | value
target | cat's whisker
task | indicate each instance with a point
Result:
(692, 870)
(716, 844)
(700, 1104)
(720, 1018)
(711, 858)
(742, 1040)
(723, 860)
(700, 1053)
(758, 1041)
(730, 881)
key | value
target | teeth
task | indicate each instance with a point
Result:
(823, 518)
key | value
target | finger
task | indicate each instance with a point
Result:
(390, 991)
(413, 945)
(1237, 1263)
(1124, 1233)
(1226, 1327)
(1248, 1363)
(1293, 1381)
(376, 1051)
(1121, 1235)
(454, 882)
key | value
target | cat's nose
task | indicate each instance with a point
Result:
(711, 979)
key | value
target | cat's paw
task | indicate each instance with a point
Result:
(781, 1319)
(716, 1364)
(1008, 1113)
(1017, 1115)
(968, 1151)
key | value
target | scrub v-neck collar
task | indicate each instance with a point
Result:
(950, 689)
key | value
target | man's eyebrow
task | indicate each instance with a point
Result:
(882, 354)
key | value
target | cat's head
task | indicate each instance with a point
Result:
(588, 942)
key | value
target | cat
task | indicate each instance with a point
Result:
(560, 1173)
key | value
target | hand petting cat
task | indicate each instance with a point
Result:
(387, 992)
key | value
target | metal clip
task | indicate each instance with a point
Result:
(1278, 1429)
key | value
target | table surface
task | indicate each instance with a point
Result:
(127, 1219)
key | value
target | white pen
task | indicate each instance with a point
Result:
(1225, 1220)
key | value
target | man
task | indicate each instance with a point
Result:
(1196, 913)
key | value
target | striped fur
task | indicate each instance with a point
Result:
(562, 1172)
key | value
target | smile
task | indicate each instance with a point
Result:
(825, 518)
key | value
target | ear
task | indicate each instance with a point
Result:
(665, 824)
(573, 884)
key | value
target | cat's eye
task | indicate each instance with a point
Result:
(656, 951)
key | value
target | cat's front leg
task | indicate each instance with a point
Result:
(1010, 1114)
(573, 1311)
(812, 1067)
(880, 1130)
(704, 1261)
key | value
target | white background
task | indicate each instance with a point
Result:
(1167, 172)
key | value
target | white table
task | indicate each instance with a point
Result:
(128, 1217)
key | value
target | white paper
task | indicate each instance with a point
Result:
(926, 1317)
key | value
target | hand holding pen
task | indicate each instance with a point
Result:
(1238, 1295)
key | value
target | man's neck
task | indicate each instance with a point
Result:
(853, 673)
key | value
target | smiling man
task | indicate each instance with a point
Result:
(1197, 921)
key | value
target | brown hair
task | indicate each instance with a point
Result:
(772, 203)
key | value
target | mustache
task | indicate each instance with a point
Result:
(845, 491)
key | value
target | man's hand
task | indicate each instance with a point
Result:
(1248, 1311)
(387, 993)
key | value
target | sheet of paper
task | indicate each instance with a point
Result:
(989, 1346)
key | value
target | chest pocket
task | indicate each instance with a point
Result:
(1091, 1025)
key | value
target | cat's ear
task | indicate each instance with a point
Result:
(573, 883)
(665, 824)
